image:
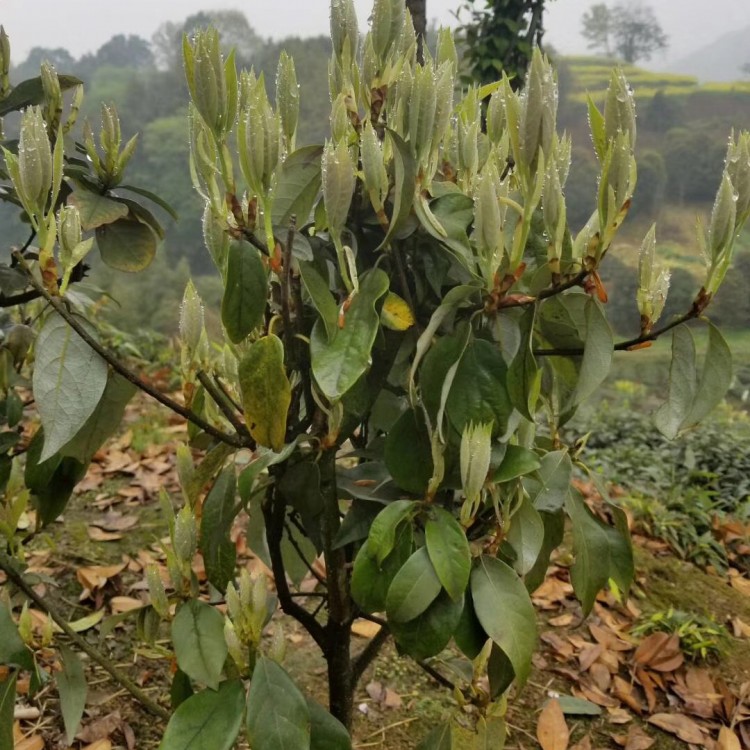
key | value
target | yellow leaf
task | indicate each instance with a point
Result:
(396, 313)
(266, 392)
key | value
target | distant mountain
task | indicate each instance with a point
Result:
(720, 60)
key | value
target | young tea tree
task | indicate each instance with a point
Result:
(409, 323)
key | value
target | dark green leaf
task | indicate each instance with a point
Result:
(505, 611)
(413, 588)
(524, 376)
(326, 731)
(126, 245)
(277, 714)
(429, 633)
(69, 379)
(669, 417)
(382, 536)
(554, 529)
(440, 738)
(601, 552)
(526, 535)
(408, 454)
(71, 685)
(180, 690)
(321, 296)
(13, 651)
(337, 365)
(548, 488)
(31, 92)
(244, 301)
(297, 187)
(199, 645)
(516, 462)
(152, 197)
(597, 353)
(449, 551)
(7, 706)
(218, 550)
(469, 634)
(209, 720)
(500, 671)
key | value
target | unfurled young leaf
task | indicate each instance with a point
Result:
(72, 687)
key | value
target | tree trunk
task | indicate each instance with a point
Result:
(418, 10)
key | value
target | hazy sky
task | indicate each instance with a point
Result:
(84, 25)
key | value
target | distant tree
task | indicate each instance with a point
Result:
(628, 30)
(663, 112)
(120, 51)
(500, 36)
(745, 69)
(652, 182)
(58, 57)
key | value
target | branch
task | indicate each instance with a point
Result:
(629, 344)
(57, 305)
(46, 606)
(273, 513)
(314, 573)
(224, 403)
(439, 678)
(370, 651)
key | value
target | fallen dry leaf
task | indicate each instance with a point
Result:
(584, 744)
(99, 745)
(727, 740)
(365, 628)
(35, 742)
(97, 535)
(551, 729)
(680, 725)
(637, 739)
(660, 652)
(94, 577)
(100, 729)
(124, 604)
(740, 628)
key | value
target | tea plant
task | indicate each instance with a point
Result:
(409, 322)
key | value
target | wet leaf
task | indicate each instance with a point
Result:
(71, 685)
(198, 638)
(244, 302)
(126, 245)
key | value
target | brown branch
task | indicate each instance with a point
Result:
(46, 605)
(225, 405)
(59, 307)
(439, 678)
(314, 573)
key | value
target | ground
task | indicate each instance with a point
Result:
(92, 561)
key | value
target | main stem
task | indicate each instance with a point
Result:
(341, 680)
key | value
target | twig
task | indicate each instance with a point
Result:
(226, 393)
(224, 404)
(46, 606)
(56, 303)
(301, 555)
(439, 678)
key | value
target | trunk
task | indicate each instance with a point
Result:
(340, 681)
(418, 10)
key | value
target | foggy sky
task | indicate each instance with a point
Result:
(84, 25)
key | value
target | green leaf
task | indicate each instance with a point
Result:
(500, 673)
(408, 454)
(218, 550)
(152, 197)
(548, 489)
(104, 420)
(598, 129)
(405, 175)
(326, 731)
(71, 685)
(524, 376)
(209, 720)
(266, 391)
(96, 209)
(516, 462)
(13, 651)
(597, 353)
(440, 738)
(413, 589)
(297, 187)
(180, 690)
(126, 245)
(578, 706)
(449, 552)
(7, 706)
(491, 733)
(554, 529)
(601, 552)
(69, 379)
(370, 581)
(715, 378)
(31, 92)
(277, 714)
(505, 611)
(429, 633)
(198, 638)
(244, 302)
(526, 535)
(382, 536)
(320, 294)
(469, 634)
(337, 365)
(479, 393)
(669, 417)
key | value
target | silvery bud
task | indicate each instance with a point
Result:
(234, 646)
(338, 175)
(277, 647)
(234, 605)
(373, 166)
(185, 535)
(4, 63)
(488, 220)
(52, 92)
(287, 97)
(387, 24)
(538, 110)
(444, 87)
(215, 237)
(476, 449)
(156, 591)
(653, 282)
(47, 633)
(259, 597)
(496, 117)
(554, 212)
(191, 317)
(69, 233)
(619, 108)
(185, 470)
(721, 230)
(31, 171)
(422, 113)
(26, 625)
(344, 29)
(738, 169)
(340, 123)
(446, 48)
